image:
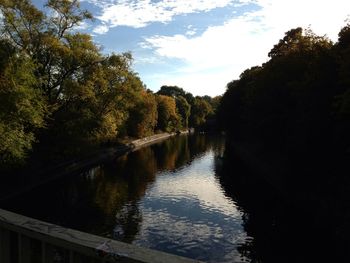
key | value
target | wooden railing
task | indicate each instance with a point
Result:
(27, 240)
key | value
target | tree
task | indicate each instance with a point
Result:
(143, 116)
(184, 110)
(171, 91)
(168, 119)
(22, 107)
(96, 106)
(296, 41)
(200, 110)
(342, 100)
(57, 51)
(92, 98)
(296, 103)
(215, 102)
(343, 56)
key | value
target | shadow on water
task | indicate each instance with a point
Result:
(281, 230)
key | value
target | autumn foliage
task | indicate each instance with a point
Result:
(61, 97)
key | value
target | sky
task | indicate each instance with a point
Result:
(201, 45)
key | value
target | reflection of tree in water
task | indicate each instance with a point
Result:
(184, 155)
(171, 153)
(128, 220)
(105, 199)
(125, 181)
(198, 145)
(178, 151)
(278, 231)
(122, 185)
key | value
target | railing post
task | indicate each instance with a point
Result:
(43, 252)
(4, 246)
(19, 251)
(71, 256)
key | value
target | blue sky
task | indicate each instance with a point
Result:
(201, 45)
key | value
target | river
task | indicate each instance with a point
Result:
(181, 196)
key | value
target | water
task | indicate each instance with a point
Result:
(166, 197)
(186, 196)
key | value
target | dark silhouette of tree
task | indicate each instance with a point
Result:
(171, 91)
(295, 108)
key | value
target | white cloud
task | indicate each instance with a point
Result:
(140, 13)
(191, 32)
(82, 26)
(101, 29)
(244, 41)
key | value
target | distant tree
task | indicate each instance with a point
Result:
(215, 102)
(190, 98)
(143, 116)
(184, 110)
(200, 110)
(168, 118)
(171, 91)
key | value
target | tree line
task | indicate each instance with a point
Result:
(61, 97)
(297, 103)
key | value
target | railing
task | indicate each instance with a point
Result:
(27, 240)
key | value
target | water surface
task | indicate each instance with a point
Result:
(188, 196)
(166, 197)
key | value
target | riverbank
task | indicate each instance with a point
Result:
(24, 183)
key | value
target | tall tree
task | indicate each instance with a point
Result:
(22, 107)
(49, 41)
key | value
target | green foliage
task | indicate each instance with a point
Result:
(143, 116)
(90, 95)
(168, 119)
(58, 52)
(22, 108)
(184, 110)
(215, 103)
(183, 102)
(193, 111)
(95, 106)
(200, 111)
(171, 91)
(295, 41)
(55, 77)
